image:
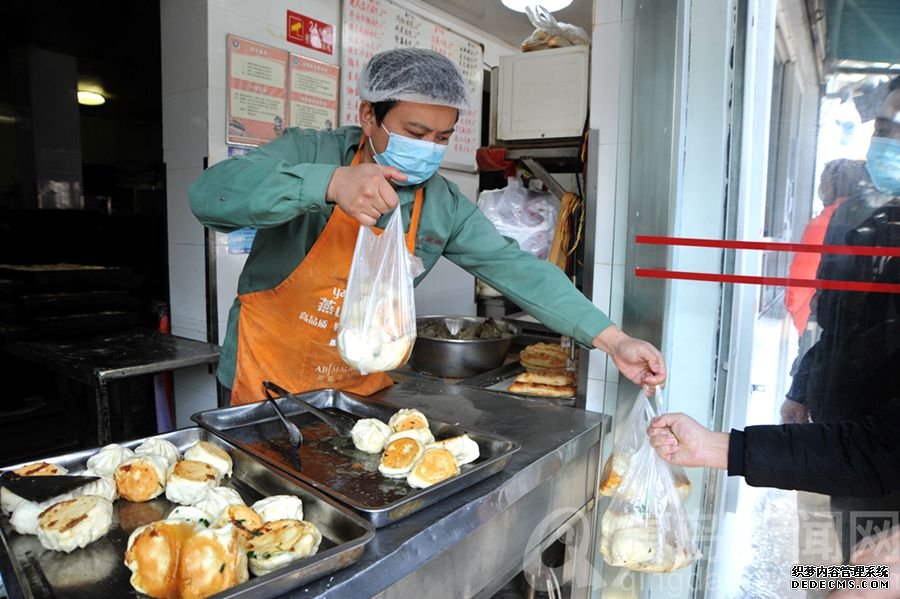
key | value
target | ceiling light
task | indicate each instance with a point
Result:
(89, 98)
(550, 5)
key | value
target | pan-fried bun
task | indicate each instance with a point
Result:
(75, 523)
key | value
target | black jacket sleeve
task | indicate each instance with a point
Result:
(860, 459)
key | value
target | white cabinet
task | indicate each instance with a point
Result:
(543, 94)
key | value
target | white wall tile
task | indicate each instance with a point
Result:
(605, 81)
(185, 129)
(607, 11)
(623, 184)
(187, 290)
(448, 289)
(604, 225)
(597, 365)
(629, 9)
(183, 51)
(600, 294)
(595, 395)
(610, 400)
(195, 391)
(626, 80)
(228, 269)
(184, 228)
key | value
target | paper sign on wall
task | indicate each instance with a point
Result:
(310, 33)
(256, 92)
(371, 26)
(312, 93)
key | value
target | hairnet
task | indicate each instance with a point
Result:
(414, 75)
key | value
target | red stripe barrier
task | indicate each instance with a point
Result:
(773, 281)
(852, 250)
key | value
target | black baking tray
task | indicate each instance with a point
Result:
(32, 572)
(334, 466)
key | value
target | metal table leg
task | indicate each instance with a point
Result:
(101, 394)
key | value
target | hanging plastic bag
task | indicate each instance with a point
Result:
(645, 527)
(550, 33)
(378, 319)
(526, 215)
(632, 435)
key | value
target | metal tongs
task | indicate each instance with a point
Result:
(339, 424)
(294, 434)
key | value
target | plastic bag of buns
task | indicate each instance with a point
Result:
(550, 33)
(378, 318)
(645, 527)
(630, 436)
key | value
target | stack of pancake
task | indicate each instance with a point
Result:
(546, 372)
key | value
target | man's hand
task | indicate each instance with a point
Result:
(638, 360)
(793, 412)
(364, 191)
(679, 439)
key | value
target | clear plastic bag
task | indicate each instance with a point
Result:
(645, 527)
(378, 319)
(631, 436)
(526, 215)
(550, 33)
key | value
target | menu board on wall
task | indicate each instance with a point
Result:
(371, 26)
(256, 92)
(313, 93)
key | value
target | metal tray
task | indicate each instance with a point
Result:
(499, 380)
(98, 570)
(333, 465)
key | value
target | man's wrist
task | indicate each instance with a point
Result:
(609, 338)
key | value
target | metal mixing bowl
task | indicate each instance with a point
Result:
(459, 358)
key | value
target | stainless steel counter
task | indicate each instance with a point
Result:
(473, 542)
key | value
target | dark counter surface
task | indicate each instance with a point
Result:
(551, 437)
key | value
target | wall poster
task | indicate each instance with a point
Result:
(371, 26)
(256, 92)
(312, 93)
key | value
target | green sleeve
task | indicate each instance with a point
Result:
(267, 187)
(537, 286)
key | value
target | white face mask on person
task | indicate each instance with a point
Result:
(416, 158)
(883, 164)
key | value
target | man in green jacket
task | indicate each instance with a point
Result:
(308, 192)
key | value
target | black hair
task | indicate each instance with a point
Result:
(381, 109)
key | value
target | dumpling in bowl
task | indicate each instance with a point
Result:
(211, 561)
(152, 556)
(370, 435)
(435, 465)
(216, 499)
(74, 523)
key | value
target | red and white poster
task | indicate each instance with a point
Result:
(312, 93)
(256, 92)
(310, 33)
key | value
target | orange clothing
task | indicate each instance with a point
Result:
(287, 334)
(805, 265)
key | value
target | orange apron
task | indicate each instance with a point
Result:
(288, 334)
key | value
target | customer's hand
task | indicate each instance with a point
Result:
(638, 360)
(364, 191)
(679, 439)
(793, 412)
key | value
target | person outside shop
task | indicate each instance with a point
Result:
(840, 179)
(308, 192)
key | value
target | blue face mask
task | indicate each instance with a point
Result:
(883, 164)
(416, 158)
